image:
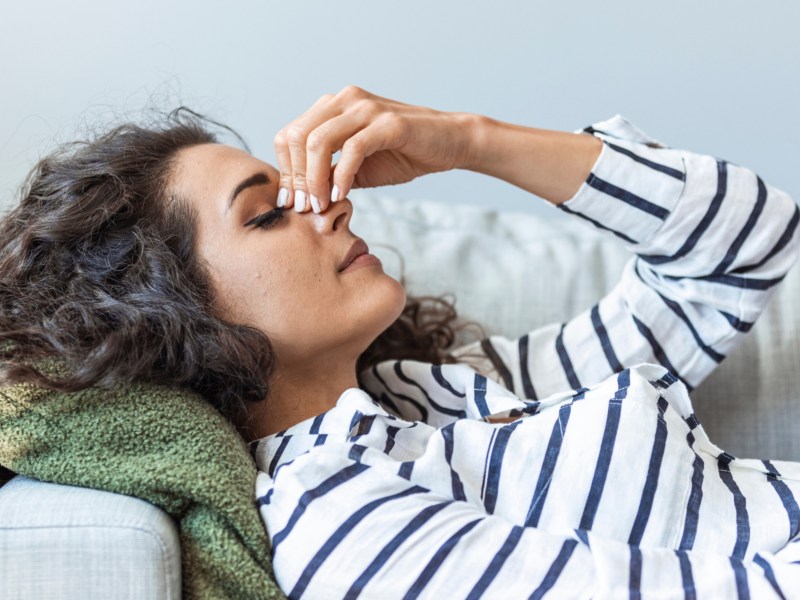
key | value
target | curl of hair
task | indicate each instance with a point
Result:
(98, 270)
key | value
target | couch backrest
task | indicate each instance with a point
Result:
(516, 271)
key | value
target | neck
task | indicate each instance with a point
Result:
(296, 395)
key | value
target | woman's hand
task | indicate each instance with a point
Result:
(382, 142)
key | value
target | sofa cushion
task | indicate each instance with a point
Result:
(61, 541)
(514, 271)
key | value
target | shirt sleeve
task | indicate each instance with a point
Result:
(710, 242)
(341, 528)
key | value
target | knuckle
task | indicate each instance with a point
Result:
(353, 145)
(326, 97)
(316, 140)
(353, 91)
(367, 106)
(296, 135)
(280, 138)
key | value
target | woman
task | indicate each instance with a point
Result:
(565, 461)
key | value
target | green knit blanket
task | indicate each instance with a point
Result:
(166, 446)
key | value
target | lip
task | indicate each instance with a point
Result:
(358, 248)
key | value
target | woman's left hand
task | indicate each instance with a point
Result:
(382, 142)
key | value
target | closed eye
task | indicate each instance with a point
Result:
(266, 219)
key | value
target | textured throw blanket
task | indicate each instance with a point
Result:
(165, 446)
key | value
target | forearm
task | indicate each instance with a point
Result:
(550, 164)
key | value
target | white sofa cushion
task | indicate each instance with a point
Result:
(514, 271)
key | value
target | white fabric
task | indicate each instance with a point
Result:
(602, 483)
(67, 542)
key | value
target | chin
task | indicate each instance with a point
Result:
(382, 305)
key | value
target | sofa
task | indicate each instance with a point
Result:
(509, 271)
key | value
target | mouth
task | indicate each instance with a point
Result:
(358, 248)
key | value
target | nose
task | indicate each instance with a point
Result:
(334, 218)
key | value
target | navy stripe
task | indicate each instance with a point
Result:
(497, 563)
(553, 573)
(498, 363)
(635, 574)
(658, 351)
(548, 466)
(742, 588)
(496, 465)
(479, 394)
(277, 456)
(354, 420)
(689, 592)
(606, 451)
(705, 222)
(566, 363)
(628, 197)
(486, 462)
(453, 412)
(693, 505)
(769, 574)
(385, 554)
(527, 385)
(422, 410)
(651, 483)
(736, 323)
(593, 131)
(356, 452)
(745, 283)
(321, 439)
(597, 224)
(436, 371)
(787, 498)
(391, 432)
(679, 312)
(365, 423)
(737, 244)
(405, 469)
(605, 342)
(779, 245)
(434, 563)
(316, 423)
(308, 497)
(645, 161)
(265, 499)
(341, 532)
(448, 433)
(740, 504)
(665, 381)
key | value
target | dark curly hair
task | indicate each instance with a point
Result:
(98, 270)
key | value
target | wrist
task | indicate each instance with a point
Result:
(476, 131)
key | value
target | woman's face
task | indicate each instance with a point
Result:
(285, 279)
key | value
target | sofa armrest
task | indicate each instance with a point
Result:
(60, 541)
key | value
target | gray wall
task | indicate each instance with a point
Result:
(720, 77)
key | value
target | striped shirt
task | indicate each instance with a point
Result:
(568, 462)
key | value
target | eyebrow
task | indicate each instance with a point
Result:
(256, 179)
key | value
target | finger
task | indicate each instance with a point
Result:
(382, 134)
(284, 166)
(323, 143)
(283, 151)
(297, 140)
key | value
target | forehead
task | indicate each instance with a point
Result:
(214, 169)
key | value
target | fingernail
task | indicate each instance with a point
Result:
(314, 203)
(283, 196)
(335, 193)
(299, 200)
